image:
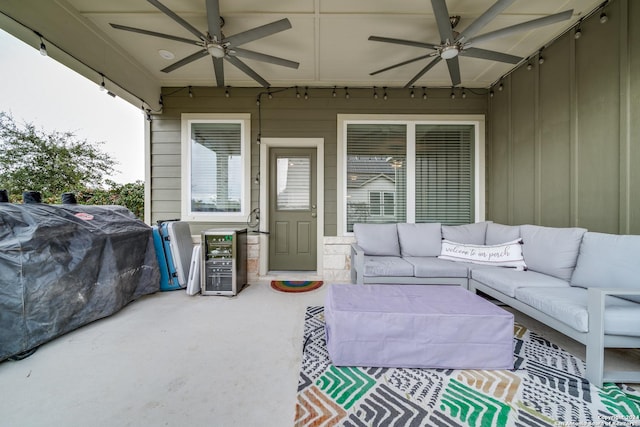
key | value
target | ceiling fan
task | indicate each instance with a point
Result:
(452, 43)
(215, 44)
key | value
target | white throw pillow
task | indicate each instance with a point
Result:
(507, 254)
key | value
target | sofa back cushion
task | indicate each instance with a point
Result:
(377, 239)
(551, 250)
(420, 239)
(608, 261)
(499, 233)
(473, 234)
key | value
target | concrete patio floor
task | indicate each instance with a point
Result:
(169, 359)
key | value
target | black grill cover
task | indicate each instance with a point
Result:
(62, 267)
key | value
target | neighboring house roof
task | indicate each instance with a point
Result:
(361, 171)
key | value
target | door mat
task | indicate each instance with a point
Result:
(294, 286)
(547, 388)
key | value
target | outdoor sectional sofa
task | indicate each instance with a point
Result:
(583, 284)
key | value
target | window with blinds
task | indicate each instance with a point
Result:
(444, 173)
(216, 167)
(376, 173)
(441, 172)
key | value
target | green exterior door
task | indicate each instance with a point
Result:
(292, 209)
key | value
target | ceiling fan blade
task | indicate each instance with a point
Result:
(258, 32)
(491, 55)
(244, 53)
(179, 20)
(403, 42)
(184, 61)
(529, 25)
(484, 19)
(213, 19)
(154, 34)
(402, 63)
(248, 71)
(218, 68)
(442, 19)
(422, 72)
(454, 70)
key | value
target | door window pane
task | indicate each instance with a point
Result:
(216, 167)
(293, 183)
(376, 164)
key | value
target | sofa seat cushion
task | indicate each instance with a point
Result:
(569, 305)
(551, 250)
(435, 267)
(422, 239)
(508, 281)
(377, 239)
(387, 266)
(608, 261)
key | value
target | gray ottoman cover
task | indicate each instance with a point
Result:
(416, 326)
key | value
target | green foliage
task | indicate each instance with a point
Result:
(53, 163)
(130, 195)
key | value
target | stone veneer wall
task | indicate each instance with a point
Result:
(336, 259)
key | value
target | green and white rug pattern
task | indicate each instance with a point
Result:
(546, 388)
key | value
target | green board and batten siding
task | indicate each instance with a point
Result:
(564, 137)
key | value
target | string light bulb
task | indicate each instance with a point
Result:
(412, 94)
(529, 66)
(346, 93)
(297, 93)
(226, 92)
(424, 93)
(384, 94)
(491, 93)
(190, 92)
(453, 94)
(306, 93)
(103, 86)
(270, 95)
(578, 32)
(43, 48)
(334, 94)
(375, 94)
(464, 94)
(603, 17)
(500, 87)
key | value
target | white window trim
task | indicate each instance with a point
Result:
(245, 153)
(478, 120)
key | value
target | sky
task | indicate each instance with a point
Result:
(36, 89)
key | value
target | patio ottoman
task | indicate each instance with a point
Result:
(416, 326)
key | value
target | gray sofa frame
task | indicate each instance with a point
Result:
(595, 341)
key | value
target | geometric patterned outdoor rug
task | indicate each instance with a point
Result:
(546, 388)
